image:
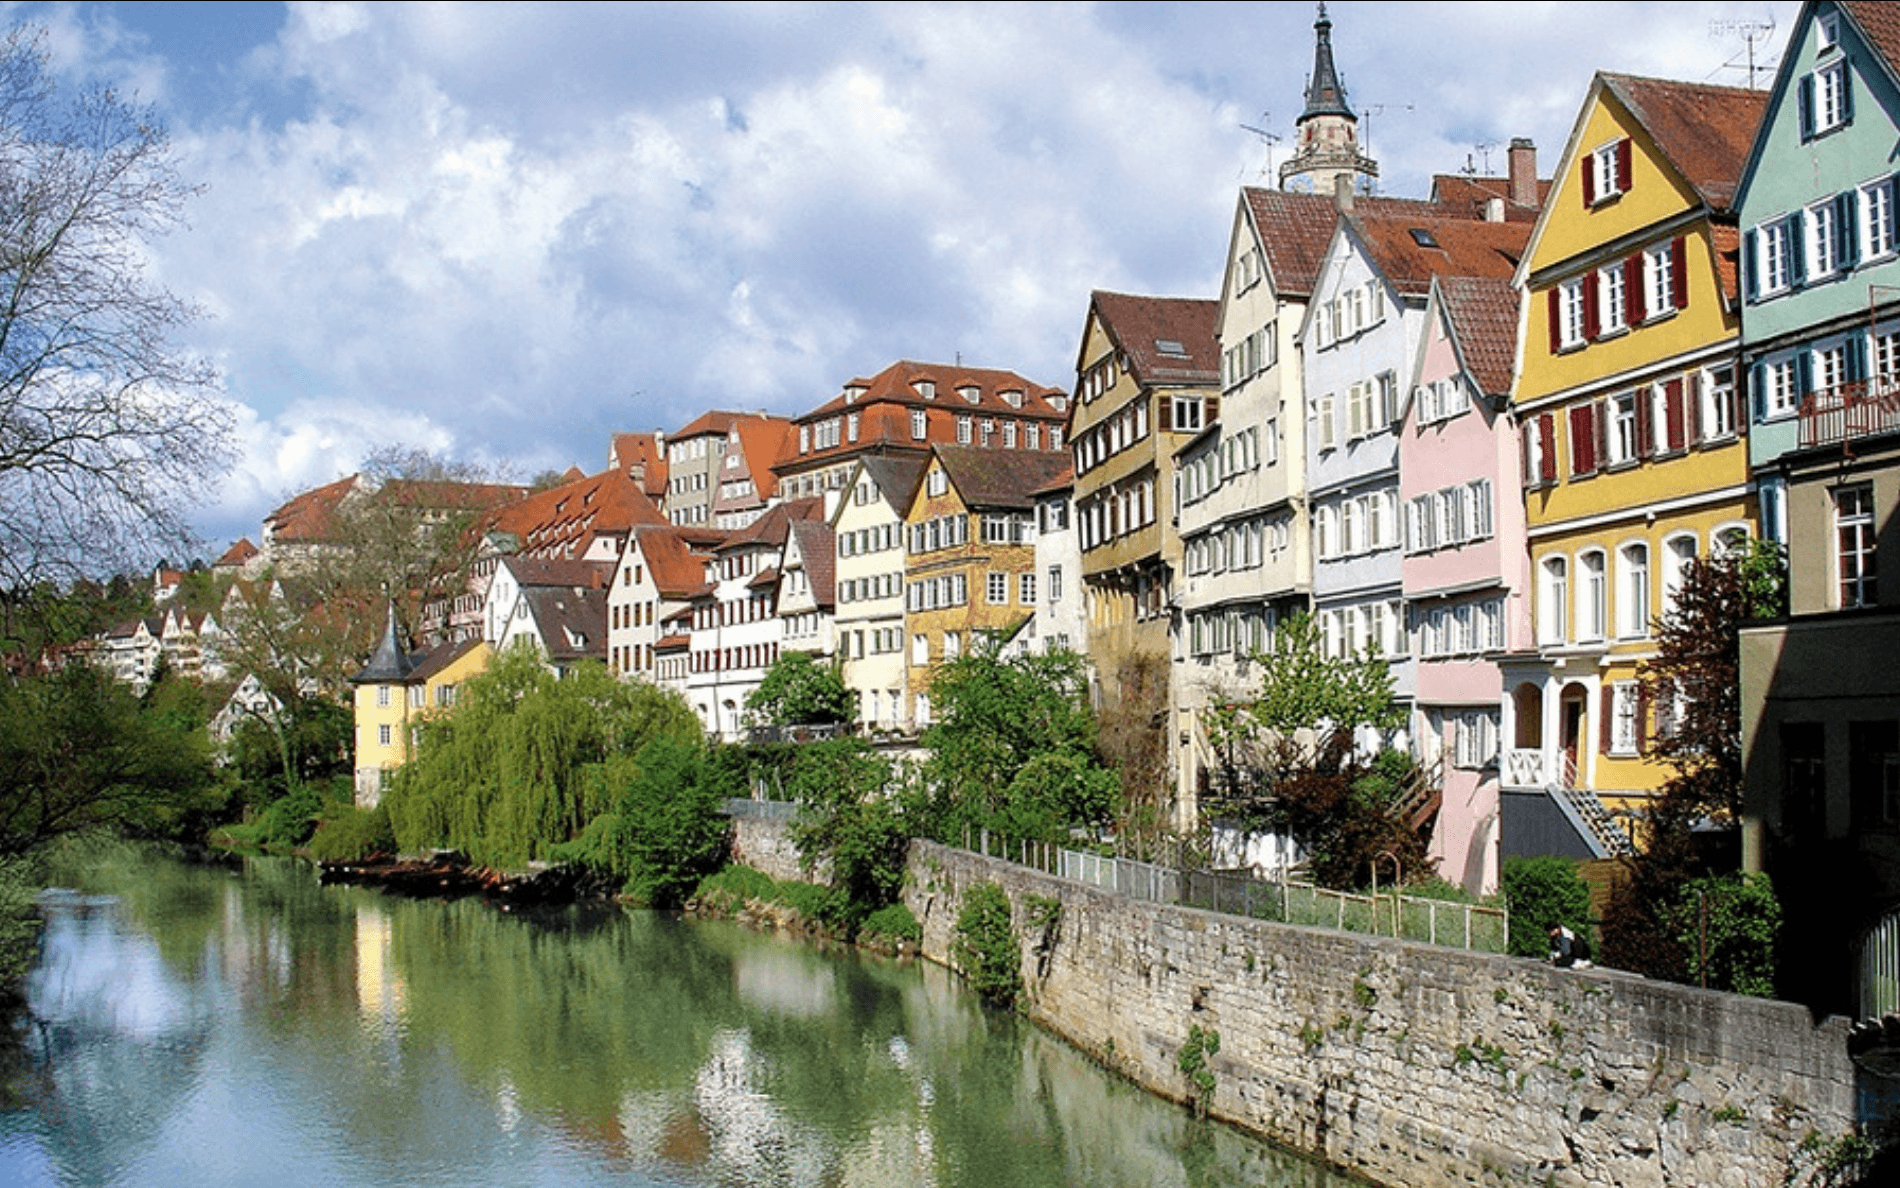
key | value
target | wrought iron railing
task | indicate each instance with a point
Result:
(1849, 412)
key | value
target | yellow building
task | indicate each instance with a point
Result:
(970, 555)
(394, 693)
(1633, 450)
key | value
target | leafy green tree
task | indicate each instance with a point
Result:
(78, 750)
(666, 830)
(507, 775)
(1346, 812)
(801, 690)
(1729, 927)
(1540, 892)
(853, 817)
(1013, 746)
(1305, 693)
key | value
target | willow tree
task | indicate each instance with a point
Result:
(516, 768)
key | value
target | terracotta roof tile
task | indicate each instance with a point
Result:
(1165, 339)
(1411, 251)
(1296, 228)
(235, 556)
(818, 549)
(310, 516)
(1880, 27)
(999, 478)
(770, 528)
(1483, 316)
(563, 521)
(1465, 196)
(1705, 131)
(645, 451)
(677, 567)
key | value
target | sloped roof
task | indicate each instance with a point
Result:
(761, 439)
(645, 451)
(770, 528)
(441, 657)
(1410, 251)
(391, 663)
(572, 623)
(1705, 131)
(818, 550)
(563, 521)
(534, 572)
(235, 556)
(1295, 229)
(676, 570)
(1466, 197)
(898, 384)
(999, 478)
(1164, 339)
(897, 476)
(1879, 25)
(1482, 312)
(1063, 480)
(310, 516)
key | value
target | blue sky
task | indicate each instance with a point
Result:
(503, 232)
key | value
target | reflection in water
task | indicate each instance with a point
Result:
(210, 1028)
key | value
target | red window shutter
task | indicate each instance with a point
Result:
(1525, 452)
(1673, 415)
(1635, 299)
(1210, 410)
(1556, 321)
(1691, 417)
(1589, 181)
(1600, 415)
(1679, 272)
(1592, 325)
(1605, 725)
(1623, 172)
(1645, 422)
(1547, 440)
(1167, 415)
(1583, 439)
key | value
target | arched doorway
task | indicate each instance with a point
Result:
(1528, 703)
(1573, 720)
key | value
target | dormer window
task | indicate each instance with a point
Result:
(852, 392)
(1827, 32)
(926, 388)
(1059, 402)
(971, 393)
(1013, 397)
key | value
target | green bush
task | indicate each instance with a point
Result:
(893, 922)
(347, 833)
(1541, 892)
(1732, 946)
(985, 947)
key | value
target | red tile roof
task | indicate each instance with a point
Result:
(1296, 228)
(1880, 26)
(818, 549)
(678, 569)
(310, 516)
(1466, 196)
(770, 528)
(1483, 316)
(643, 450)
(1410, 251)
(235, 556)
(1704, 131)
(563, 521)
(999, 478)
(1164, 339)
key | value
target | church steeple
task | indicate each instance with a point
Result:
(1328, 129)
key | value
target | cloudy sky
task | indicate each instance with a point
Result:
(503, 232)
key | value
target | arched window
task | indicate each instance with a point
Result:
(1678, 551)
(1553, 596)
(1632, 594)
(1593, 596)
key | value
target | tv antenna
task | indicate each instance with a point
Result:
(1752, 33)
(1483, 149)
(1265, 137)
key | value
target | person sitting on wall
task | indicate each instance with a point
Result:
(1567, 949)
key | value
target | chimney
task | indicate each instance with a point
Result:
(1342, 193)
(1523, 171)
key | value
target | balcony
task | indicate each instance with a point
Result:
(1851, 412)
(1524, 768)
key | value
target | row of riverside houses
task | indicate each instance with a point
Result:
(1482, 432)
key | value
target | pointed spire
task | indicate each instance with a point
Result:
(391, 663)
(1325, 94)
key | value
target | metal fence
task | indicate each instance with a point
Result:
(1880, 968)
(762, 810)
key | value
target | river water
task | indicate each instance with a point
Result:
(198, 1026)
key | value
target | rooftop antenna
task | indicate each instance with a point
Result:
(1751, 32)
(1365, 121)
(1267, 138)
(1483, 149)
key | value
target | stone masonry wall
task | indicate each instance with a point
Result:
(765, 845)
(1418, 1065)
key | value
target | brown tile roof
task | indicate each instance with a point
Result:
(770, 528)
(1165, 339)
(440, 658)
(235, 556)
(897, 477)
(645, 451)
(1483, 316)
(761, 439)
(1879, 25)
(718, 421)
(1728, 261)
(1466, 197)
(572, 622)
(818, 549)
(547, 571)
(678, 569)
(898, 384)
(1296, 228)
(1704, 131)
(1063, 480)
(310, 516)
(999, 478)
(563, 521)
(1411, 251)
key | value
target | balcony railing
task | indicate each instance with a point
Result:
(1849, 412)
(1524, 769)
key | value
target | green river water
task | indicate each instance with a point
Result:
(198, 1026)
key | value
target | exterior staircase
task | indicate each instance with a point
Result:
(1593, 820)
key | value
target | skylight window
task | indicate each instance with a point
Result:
(1423, 238)
(1169, 346)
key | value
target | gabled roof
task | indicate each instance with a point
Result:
(897, 477)
(1879, 25)
(817, 548)
(1410, 251)
(677, 571)
(441, 658)
(721, 422)
(899, 382)
(1482, 314)
(1063, 480)
(761, 439)
(1295, 229)
(235, 556)
(645, 452)
(1463, 196)
(558, 571)
(310, 516)
(999, 478)
(563, 521)
(770, 528)
(1704, 131)
(572, 623)
(1165, 340)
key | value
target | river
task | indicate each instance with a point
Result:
(198, 1026)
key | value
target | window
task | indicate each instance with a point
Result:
(1873, 774)
(1854, 549)
(1826, 100)
(1821, 222)
(1660, 277)
(1026, 589)
(1569, 330)
(1828, 368)
(1187, 414)
(1612, 314)
(966, 427)
(920, 649)
(382, 696)
(1875, 209)
(919, 424)
(1323, 411)
(1055, 584)
(1773, 258)
(1626, 429)
(1632, 596)
(1718, 404)
(384, 735)
(1886, 360)
(1476, 742)
(952, 644)
(1781, 389)
(996, 589)
(1552, 597)
(1625, 717)
(1607, 173)
(1593, 597)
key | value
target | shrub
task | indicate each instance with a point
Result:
(347, 833)
(1732, 947)
(985, 946)
(1541, 892)
(893, 922)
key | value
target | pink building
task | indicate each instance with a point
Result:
(1466, 571)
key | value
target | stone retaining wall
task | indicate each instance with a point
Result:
(764, 845)
(1418, 1065)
